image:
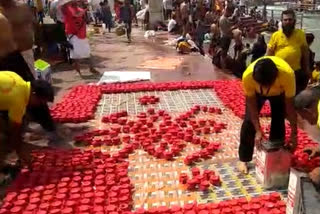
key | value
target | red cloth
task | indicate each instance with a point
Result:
(117, 10)
(74, 20)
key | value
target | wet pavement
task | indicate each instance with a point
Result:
(113, 53)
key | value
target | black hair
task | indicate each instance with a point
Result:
(229, 9)
(265, 72)
(309, 38)
(42, 89)
(288, 12)
(306, 100)
(261, 39)
(317, 63)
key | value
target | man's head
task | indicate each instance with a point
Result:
(265, 72)
(306, 103)
(174, 16)
(127, 2)
(305, 99)
(288, 19)
(41, 93)
(228, 11)
(214, 29)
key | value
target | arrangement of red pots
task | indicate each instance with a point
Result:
(264, 204)
(79, 105)
(145, 100)
(300, 159)
(71, 182)
(158, 133)
(199, 181)
(208, 150)
(231, 94)
(165, 86)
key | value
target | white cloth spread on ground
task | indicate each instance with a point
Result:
(124, 76)
(81, 48)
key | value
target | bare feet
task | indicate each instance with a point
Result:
(243, 167)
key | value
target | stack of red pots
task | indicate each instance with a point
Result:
(199, 181)
(71, 182)
(79, 105)
(207, 152)
(145, 100)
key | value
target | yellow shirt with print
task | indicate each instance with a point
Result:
(284, 83)
(14, 95)
(289, 49)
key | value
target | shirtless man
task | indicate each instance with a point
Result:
(17, 33)
(16, 20)
(184, 11)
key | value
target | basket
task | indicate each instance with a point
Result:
(120, 31)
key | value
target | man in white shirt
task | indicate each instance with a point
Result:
(172, 26)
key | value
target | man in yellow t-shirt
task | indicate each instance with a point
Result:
(307, 104)
(268, 78)
(15, 96)
(291, 45)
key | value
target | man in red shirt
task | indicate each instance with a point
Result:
(75, 27)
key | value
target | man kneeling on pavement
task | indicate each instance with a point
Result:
(16, 96)
(268, 78)
(307, 104)
(271, 78)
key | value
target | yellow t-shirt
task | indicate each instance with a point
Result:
(318, 122)
(284, 83)
(290, 48)
(315, 75)
(14, 95)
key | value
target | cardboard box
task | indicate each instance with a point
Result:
(272, 167)
(294, 203)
